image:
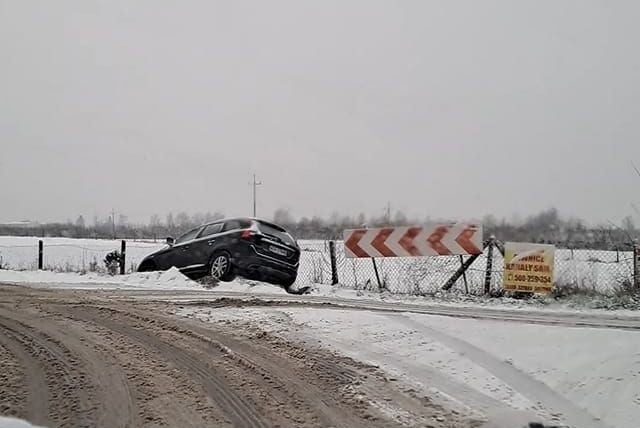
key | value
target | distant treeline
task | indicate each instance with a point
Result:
(545, 227)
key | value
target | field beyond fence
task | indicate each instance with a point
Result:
(602, 271)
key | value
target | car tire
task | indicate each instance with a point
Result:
(220, 267)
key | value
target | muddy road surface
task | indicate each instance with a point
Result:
(79, 359)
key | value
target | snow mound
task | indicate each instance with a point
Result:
(247, 286)
(172, 279)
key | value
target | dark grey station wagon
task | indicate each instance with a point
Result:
(253, 248)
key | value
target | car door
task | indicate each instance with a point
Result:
(182, 249)
(202, 247)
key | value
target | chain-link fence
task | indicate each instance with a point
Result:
(597, 270)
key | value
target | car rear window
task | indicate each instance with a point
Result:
(279, 234)
(212, 229)
(236, 225)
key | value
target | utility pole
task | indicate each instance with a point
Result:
(113, 223)
(255, 185)
(387, 213)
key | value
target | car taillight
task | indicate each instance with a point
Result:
(249, 233)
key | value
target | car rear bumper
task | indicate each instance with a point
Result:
(256, 264)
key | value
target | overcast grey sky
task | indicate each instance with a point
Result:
(450, 109)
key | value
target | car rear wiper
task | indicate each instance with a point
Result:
(274, 237)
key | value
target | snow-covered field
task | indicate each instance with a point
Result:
(510, 373)
(68, 254)
(598, 270)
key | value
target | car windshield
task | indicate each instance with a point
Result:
(277, 233)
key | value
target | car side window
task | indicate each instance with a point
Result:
(212, 229)
(231, 225)
(188, 236)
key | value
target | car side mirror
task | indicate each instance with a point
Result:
(170, 241)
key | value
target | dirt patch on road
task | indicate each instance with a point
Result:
(72, 359)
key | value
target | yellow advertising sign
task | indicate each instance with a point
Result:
(528, 267)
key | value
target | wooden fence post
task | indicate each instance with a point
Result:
(334, 264)
(123, 257)
(40, 255)
(487, 278)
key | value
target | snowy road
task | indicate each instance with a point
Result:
(74, 358)
(544, 366)
(408, 363)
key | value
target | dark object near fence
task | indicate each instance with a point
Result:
(112, 262)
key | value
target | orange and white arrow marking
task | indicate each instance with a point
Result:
(415, 241)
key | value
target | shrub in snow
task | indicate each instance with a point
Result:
(112, 262)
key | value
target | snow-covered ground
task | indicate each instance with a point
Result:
(510, 373)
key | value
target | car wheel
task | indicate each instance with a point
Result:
(220, 267)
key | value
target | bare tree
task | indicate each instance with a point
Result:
(282, 216)
(171, 225)
(154, 224)
(183, 221)
(628, 225)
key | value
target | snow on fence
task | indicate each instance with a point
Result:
(596, 270)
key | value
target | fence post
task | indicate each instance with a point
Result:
(487, 278)
(40, 254)
(462, 269)
(334, 264)
(636, 265)
(375, 269)
(464, 275)
(123, 257)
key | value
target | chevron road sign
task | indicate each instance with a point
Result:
(414, 241)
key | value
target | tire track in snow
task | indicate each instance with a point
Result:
(500, 414)
(521, 382)
(34, 387)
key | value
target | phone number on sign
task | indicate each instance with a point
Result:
(532, 278)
